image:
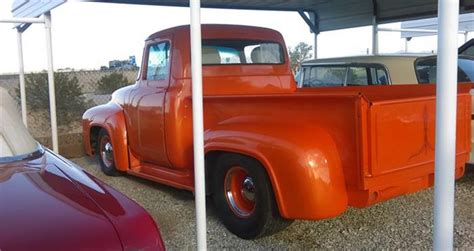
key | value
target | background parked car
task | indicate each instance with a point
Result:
(49, 203)
(384, 69)
(378, 70)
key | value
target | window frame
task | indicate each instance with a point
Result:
(147, 55)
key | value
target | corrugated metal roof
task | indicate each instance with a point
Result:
(332, 14)
(34, 8)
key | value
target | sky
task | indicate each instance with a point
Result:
(88, 35)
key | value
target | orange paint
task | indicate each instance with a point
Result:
(324, 149)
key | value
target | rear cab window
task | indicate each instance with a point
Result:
(244, 52)
(323, 75)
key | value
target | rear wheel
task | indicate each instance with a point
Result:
(243, 197)
(105, 152)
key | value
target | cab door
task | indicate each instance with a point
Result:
(146, 106)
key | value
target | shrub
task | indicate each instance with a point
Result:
(300, 53)
(109, 83)
(70, 101)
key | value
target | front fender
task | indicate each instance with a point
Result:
(303, 165)
(111, 117)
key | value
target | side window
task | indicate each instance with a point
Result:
(320, 76)
(357, 76)
(426, 70)
(158, 61)
(379, 76)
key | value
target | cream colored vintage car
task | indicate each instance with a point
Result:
(384, 70)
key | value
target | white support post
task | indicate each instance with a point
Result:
(198, 124)
(406, 45)
(52, 92)
(375, 39)
(466, 36)
(22, 78)
(446, 97)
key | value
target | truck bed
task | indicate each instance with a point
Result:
(384, 135)
(396, 140)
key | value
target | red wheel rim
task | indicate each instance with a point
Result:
(239, 189)
(106, 151)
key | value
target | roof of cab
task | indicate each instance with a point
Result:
(224, 31)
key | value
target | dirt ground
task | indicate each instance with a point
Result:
(404, 222)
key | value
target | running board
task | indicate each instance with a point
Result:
(177, 179)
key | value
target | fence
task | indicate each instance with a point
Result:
(76, 91)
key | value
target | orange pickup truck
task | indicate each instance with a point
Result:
(274, 152)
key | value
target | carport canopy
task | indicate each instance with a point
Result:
(330, 14)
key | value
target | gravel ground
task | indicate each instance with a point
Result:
(404, 222)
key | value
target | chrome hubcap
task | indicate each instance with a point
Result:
(248, 189)
(107, 153)
(240, 192)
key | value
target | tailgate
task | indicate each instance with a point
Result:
(398, 152)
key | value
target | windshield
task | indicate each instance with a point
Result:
(219, 52)
(426, 69)
(15, 140)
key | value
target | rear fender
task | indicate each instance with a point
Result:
(302, 163)
(111, 117)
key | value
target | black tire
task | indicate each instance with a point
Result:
(107, 164)
(255, 217)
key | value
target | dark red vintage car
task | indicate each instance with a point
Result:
(49, 203)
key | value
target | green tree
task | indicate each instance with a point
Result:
(109, 83)
(70, 101)
(301, 52)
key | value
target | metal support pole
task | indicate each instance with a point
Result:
(22, 20)
(52, 92)
(313, 18)
(315, 56)
(22, 78)
(406, 45)
(428, 31)
(466, 36)
(446, 97)
(198, 124)
(375, 39)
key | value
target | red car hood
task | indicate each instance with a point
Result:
(48, 204)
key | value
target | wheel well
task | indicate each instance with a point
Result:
(211, 159)
(94, 134)
(210, 163)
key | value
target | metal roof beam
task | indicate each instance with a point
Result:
(313, 24)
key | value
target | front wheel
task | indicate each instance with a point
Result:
(243, 197)
(105, 151)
